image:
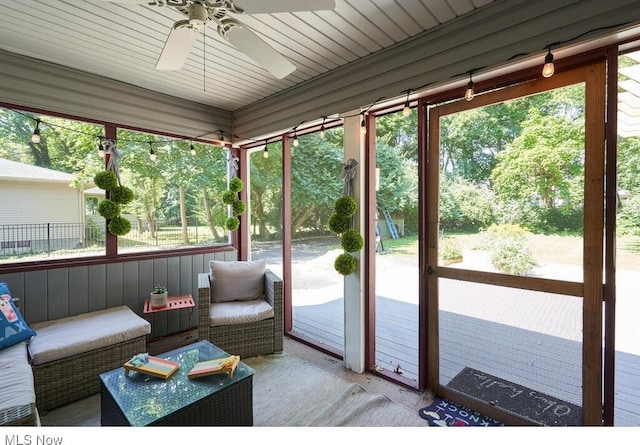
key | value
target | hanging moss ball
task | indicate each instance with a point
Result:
(119, 226)
(346, 206)
(229, 197)
(338, 223)
(239, 207)
(232, 223)
(108, 209)
(106, 180)
(352, 241)
(121, 195)
(236, 185)
(345, 264)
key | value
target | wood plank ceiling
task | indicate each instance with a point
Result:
(122, 41)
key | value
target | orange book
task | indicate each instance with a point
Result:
(225, 365)
(155, 366)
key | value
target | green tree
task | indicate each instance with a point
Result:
(316, 168)
(544, 163)
(266, 191)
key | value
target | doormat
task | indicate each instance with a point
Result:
(534, 406)
(442, 412)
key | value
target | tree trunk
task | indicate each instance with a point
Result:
(183, 216)
(207, 207)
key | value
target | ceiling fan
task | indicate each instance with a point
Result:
(200, 13)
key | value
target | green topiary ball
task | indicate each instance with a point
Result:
(338, 223)
(346, 206)
(232, 223)
(106, 180)
(239, 207)
(108, 209)
(119, 226)
(236, 185)
(229, 197)
(121, 195)
(351, 241)
(345, 264)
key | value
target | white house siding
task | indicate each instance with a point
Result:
(41, 210)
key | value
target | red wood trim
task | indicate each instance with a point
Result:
(610, 238)
(369, 229)
(286, 232)
(111, 241)
(423, 307)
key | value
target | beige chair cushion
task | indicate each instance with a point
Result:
(16, 388)
(237, 312)
(237, 280)
(74, 335)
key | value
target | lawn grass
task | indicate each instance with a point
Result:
(550, 249)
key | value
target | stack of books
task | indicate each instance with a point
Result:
(225, 365)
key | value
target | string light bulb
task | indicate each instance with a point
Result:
(406, 111)
(265, 153)
(101, 149)
(152, 154)
(363, 126)
(296, 142)
(193, 150)
(322, 128)
(469, 93)
(35, 137)
(548, 69)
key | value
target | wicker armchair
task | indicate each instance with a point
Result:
(244, 339)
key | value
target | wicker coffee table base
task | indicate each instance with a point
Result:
(232, 406)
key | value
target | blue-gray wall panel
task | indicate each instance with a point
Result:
(56, 293)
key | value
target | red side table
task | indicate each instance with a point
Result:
(168, 342)
(173, 302)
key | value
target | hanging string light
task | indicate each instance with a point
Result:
(35, 138)
(322, 127)
(363, 126)
(152, 154)
(193, 150)
(548, 69)
(469, 93)
(406, 111)
(265, 153)
(101, 153)
(296, 142)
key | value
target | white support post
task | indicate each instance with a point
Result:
(354, 327)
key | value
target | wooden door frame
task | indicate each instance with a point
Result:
(591, 289)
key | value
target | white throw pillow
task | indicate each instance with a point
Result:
(237, 280)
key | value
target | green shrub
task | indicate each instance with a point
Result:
(339, 223)
(229, 197)
(121, 195)
(512, 256)
(351, 241)
(239, 207)
(345, 264)
(232, 223)
(236, 185)
(119, 226)
(108, 209)
(346, 206)
(106, 180)
(450, 249)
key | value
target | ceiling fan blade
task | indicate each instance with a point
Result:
(177, 47)
(259, 51)
(262, 6)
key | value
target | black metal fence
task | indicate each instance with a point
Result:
(72, 239)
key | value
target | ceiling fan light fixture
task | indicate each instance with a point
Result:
(198, 15)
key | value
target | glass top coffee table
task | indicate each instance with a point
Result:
(140, 399)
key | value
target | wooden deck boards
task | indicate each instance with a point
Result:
(542, 362)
